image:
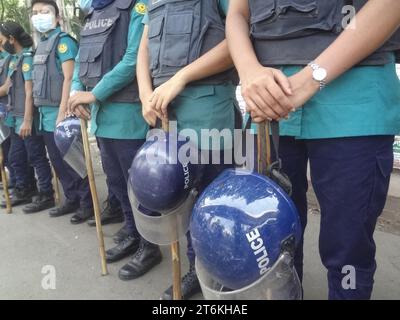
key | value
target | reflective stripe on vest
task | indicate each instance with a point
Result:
(180, 31)
(103, 44)
(294, 32)
(47, 78)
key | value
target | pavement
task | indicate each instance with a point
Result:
(30, 245)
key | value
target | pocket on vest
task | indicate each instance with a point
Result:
(154, 36)
(90, 62)
(39, 83)
(285, 19)
(57, 82)
(178, 31)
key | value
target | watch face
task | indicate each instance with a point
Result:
(320, 74)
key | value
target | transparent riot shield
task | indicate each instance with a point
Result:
(281, 282)
(167, 227)
(4, 132)
(75, 157)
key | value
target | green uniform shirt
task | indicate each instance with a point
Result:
(67, 49)
(118, 120)
(203, 108)
(27, 65)
(3, 55)
(365, 101)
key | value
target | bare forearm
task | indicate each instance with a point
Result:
(372, 26)
(65, 93)
(4, 88)
(213, 62)
(241, 48)
(143, 68)
(3, 91)
(28, 115)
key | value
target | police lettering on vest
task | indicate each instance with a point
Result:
(47, 78)
(179, 33)
(103, 44)
(292, 32)
(102, 23)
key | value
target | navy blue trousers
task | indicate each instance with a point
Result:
(350, 177)
(111, 198)
(76, 189)
(28, 152)
(117, 156)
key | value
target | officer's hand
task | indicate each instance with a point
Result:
(26, 129)
(304, 87)
(82, 112)
(148, 113)
(61, 116)
(266, 92)
(164, 94)
(80, 98)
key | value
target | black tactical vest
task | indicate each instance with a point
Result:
(103, 44)
(3, 76)
(47, 78)
(295, 32)
(16, 95)
(181, 31)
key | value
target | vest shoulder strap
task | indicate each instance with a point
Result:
(67, 35)
(7, 61)
(52, 42)
(125, 4)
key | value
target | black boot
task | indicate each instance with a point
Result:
(40, 202)
(125, 248)
(82, 215)
(190, 286)
(146, 257)
(121, 235)
(19, 197)
(108, 215)
(66, 208)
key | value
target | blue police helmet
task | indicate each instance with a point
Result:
(240, 225)
(160, 180)
(66, 132)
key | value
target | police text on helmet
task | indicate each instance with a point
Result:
(257, 245)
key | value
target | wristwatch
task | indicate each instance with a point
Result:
(319, 74)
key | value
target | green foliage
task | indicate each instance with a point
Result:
(15, 10)
(74, 16)
(19, 11)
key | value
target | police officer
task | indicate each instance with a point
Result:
(105, 69)
(345, 97)
(184, 56)
(112, 211)
(25, 142)
(4, 63)
(5, 59)
(52, 75)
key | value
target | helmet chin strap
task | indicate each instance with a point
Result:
(265, 166)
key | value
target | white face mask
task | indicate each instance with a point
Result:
(43, 22)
